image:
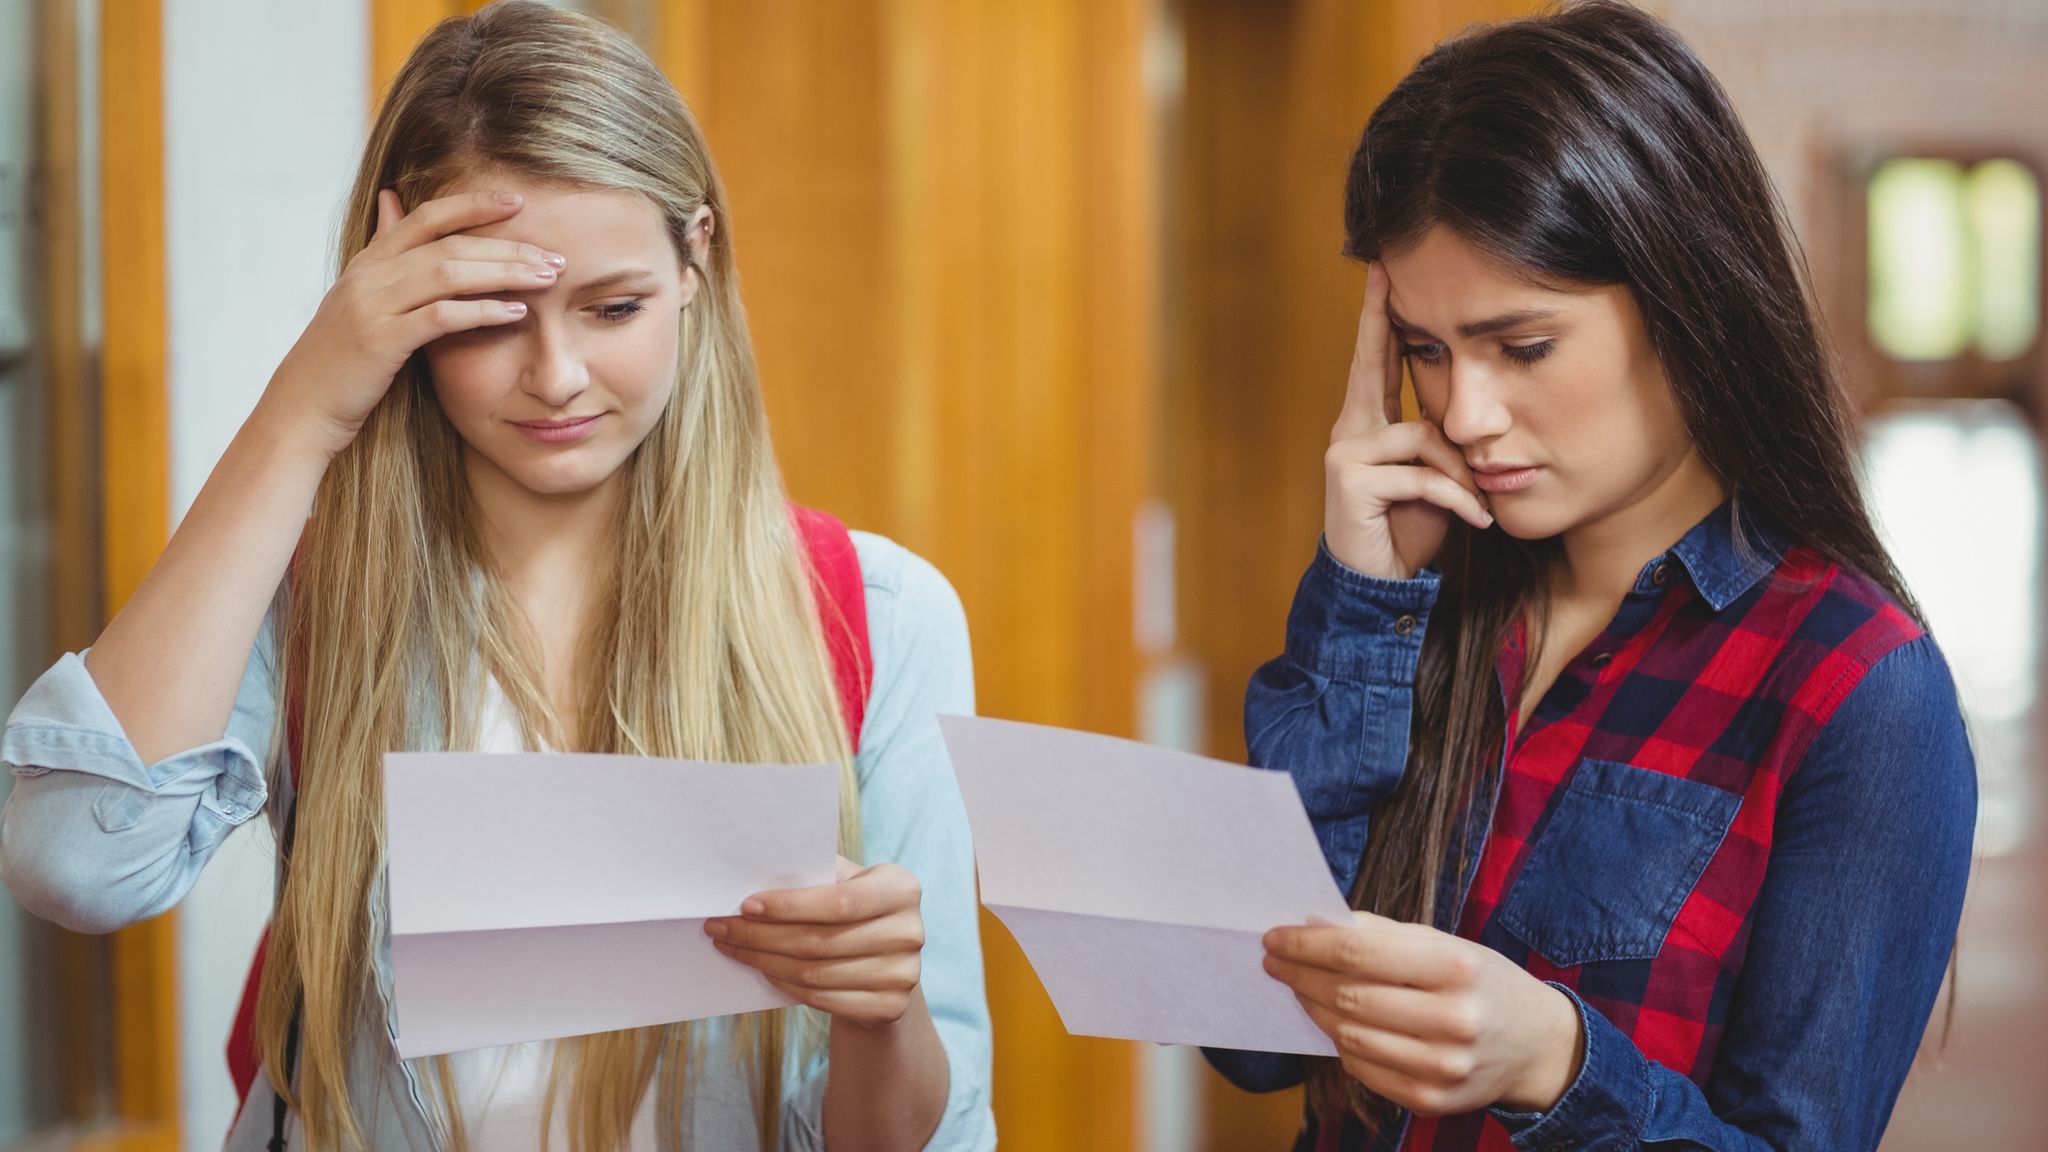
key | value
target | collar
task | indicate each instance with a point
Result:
(1725, 555)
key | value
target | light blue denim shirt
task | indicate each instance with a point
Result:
(94, 840)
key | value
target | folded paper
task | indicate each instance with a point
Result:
(1139, 881)
(537, 896)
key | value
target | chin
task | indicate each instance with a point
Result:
(1531, 522)
(561, 478)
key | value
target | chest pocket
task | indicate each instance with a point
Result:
(1621, 853)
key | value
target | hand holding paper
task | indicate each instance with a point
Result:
(852, 949)
(1140, 880)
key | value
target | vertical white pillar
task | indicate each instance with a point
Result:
(266, 106)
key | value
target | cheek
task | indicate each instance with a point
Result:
(1432, 390)
(640, 366)
(468, 379)
(1615, 427)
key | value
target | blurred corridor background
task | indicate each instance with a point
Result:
(1050, 291)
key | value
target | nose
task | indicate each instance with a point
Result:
(555, 372)
(1473, 412)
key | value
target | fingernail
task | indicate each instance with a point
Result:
(556, 259)
(717, 928)
(516, 307)
(508, 199)
(753, 908)
(542, 272)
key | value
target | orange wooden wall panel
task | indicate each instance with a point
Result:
(942, 214)
(395, 26)
(134, 453)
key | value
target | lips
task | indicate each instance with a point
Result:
(1499, 478)
(557, 431)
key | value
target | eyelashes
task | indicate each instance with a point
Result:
(606, 313)
(1433, 353)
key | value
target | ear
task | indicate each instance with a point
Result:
(702, 224)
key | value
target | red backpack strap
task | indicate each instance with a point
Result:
(243, 1062)
(842, 609)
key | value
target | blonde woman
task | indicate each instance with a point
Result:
(512, 489)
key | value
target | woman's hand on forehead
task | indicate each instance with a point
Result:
(422, 276)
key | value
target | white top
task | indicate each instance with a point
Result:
(502, 1089)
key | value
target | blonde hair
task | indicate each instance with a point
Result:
(394, 616)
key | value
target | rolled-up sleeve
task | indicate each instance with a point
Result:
(94, 839)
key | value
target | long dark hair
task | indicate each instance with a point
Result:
(1590, 146)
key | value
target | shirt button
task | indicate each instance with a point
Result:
(1405, 625)
(1603, 659)
(1660, 574)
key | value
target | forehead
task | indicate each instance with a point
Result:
(596, 228)
(1442, 280)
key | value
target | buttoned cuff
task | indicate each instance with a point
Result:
(1346, 624)
(1606, 1104)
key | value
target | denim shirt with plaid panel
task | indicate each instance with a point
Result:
(1736, 832)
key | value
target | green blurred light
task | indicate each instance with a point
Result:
(1922, 275)
(2005, 212)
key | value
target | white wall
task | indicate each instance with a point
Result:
(20, 936)
(265, 108)
(1883, 74)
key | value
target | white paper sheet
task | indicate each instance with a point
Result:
(535, 896)
(1139, 880)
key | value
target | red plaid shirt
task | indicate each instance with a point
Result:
(1625, 844)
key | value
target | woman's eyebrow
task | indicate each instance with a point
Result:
(613, 279)
(1505, 321)
(1476, 328)
(1401, 323)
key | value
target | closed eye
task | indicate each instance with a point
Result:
(621, 311)
(1528, 353)
(1429, 353)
